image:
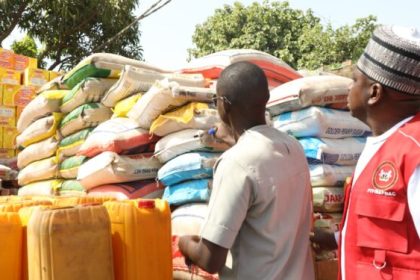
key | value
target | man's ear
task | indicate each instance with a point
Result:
(376, 93)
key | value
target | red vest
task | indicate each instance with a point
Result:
(381, 241)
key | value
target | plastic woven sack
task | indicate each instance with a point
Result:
(134, 80)
(87, 91)
(39, 130)
(44, 104)
(149, 189)
(87, 115)
(188, 192)
(70, 166)
(328, 199)
(42, 188)
(38, 171)
(187, 167)
(194, 94)
(110, 168)
(329, 175)
(320, 122)
(333, 151)
(102, 65)
(70, 188)
(118, 135)
(188, 219)
(37, 151)
(309, 91)
(156, 101)
(124, 106)
(70, 145)
(193, 115)
(277, 71)
(185, 141)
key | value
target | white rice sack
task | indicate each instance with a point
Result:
(117, 135)
(156, 101)
(277, 71)
(87, 91)
(109, 167)
(188, 219)
(85, 116)
(70, 145)
(102, 65)
(308, 91)
(70, 166)
(37, 151)
(188, 140)
(329, 175)
(189, 166)
(193, 115)
(194, 94)
(41, 106)
(320, 122)
(42, 188)
(39, 130)
(38, 171)
(134, 80)
(328, 199)
(333, 151)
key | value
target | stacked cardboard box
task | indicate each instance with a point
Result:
(19, 81)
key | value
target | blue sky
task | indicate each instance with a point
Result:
(166, 35)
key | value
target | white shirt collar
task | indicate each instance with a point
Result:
(380, 138)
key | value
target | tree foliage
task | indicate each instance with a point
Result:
(295, 36)
(71, 29)
(26, 46)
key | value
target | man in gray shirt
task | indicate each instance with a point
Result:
(261, 203)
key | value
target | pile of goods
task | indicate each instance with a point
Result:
(20, 79)
(134, 137)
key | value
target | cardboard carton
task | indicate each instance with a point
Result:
(7, 59)
(7, 117)
(54, 75)
(18, 112)
(7, 153)
(35, 77)
(9, 76)
(18, 96)
(9, 137)
(22, 62)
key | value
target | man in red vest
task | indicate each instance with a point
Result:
(379, 235)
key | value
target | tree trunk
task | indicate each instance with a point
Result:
(14, 22)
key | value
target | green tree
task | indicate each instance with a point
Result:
(295, 36)
(69, 30)
(26, 46)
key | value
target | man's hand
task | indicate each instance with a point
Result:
(205, 254)
(323, 239)
(224, 133)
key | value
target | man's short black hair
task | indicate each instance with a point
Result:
(243, 80)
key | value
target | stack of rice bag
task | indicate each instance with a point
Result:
(312, 109)
(82, 112)
(118, 154)
(38, 139)
(179, 115)
(276, 70)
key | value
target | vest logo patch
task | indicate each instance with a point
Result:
(385, 176)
